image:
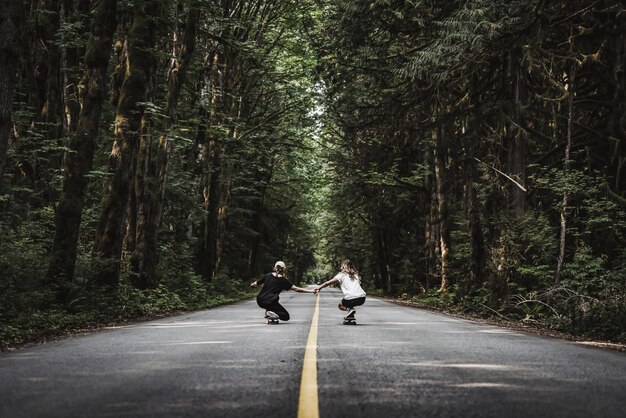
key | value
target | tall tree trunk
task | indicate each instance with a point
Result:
(224, 110)
(233, 108)
(211, 204)
(11, 21)
(476, 234)
(79, 161)
(257, 222)
(129, 126)
(442, 206)
(34, 46)
(384, 265)
(225, 197)
(617, 117)
(431, 235)
(52, 112)
(515, 138)
(71, 57)
(568, 147)
(150, 199)
(214, 176)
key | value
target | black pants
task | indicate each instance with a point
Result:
(275, 307)
(351, 303)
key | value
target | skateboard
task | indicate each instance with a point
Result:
(272, 318)
(349, 319)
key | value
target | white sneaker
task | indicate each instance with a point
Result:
(271, 315)
(350, 314)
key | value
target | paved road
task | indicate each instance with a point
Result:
(398, 362)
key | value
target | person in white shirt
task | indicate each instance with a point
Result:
(350, 282)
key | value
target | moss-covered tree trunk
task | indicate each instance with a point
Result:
(82, 146)
(223, 209)
(129, 126)
(257, 223)
(52, 112)
(208, 258)
(11, 21)
(232, 106)
(152, 168)
(38, 35)
(213, 168)
(219, 170)
(74, 13)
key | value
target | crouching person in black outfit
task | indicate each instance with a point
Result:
(274, 283)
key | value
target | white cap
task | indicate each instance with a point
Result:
(279, 264)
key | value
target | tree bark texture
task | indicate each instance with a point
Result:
(52, 112)
(430, 226)
(442, 205)
(79, 161)
(477, 249)
(11, 21)
(208, 258)
(73, 13)
(152, 169)
(566, 164)
(232, 107)
(212, 168)
(617, 117)
(515, 142)
(384, 263)
(225, 196)
(217, 184)
(129, 126)
(258, 224)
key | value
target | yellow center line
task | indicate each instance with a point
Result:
(308, 405)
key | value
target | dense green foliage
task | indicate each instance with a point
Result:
(466, 154)
(478, 154)
(199, 179)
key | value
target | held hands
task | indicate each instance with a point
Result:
(317, 290)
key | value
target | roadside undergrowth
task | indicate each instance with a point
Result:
(96, 309)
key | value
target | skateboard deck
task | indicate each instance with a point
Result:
(349, 321)
(272, 321)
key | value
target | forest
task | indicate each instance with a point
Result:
(157, 156)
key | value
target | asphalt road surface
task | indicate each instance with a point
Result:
(397, 362)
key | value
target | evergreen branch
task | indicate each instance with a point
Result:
(579, 12)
